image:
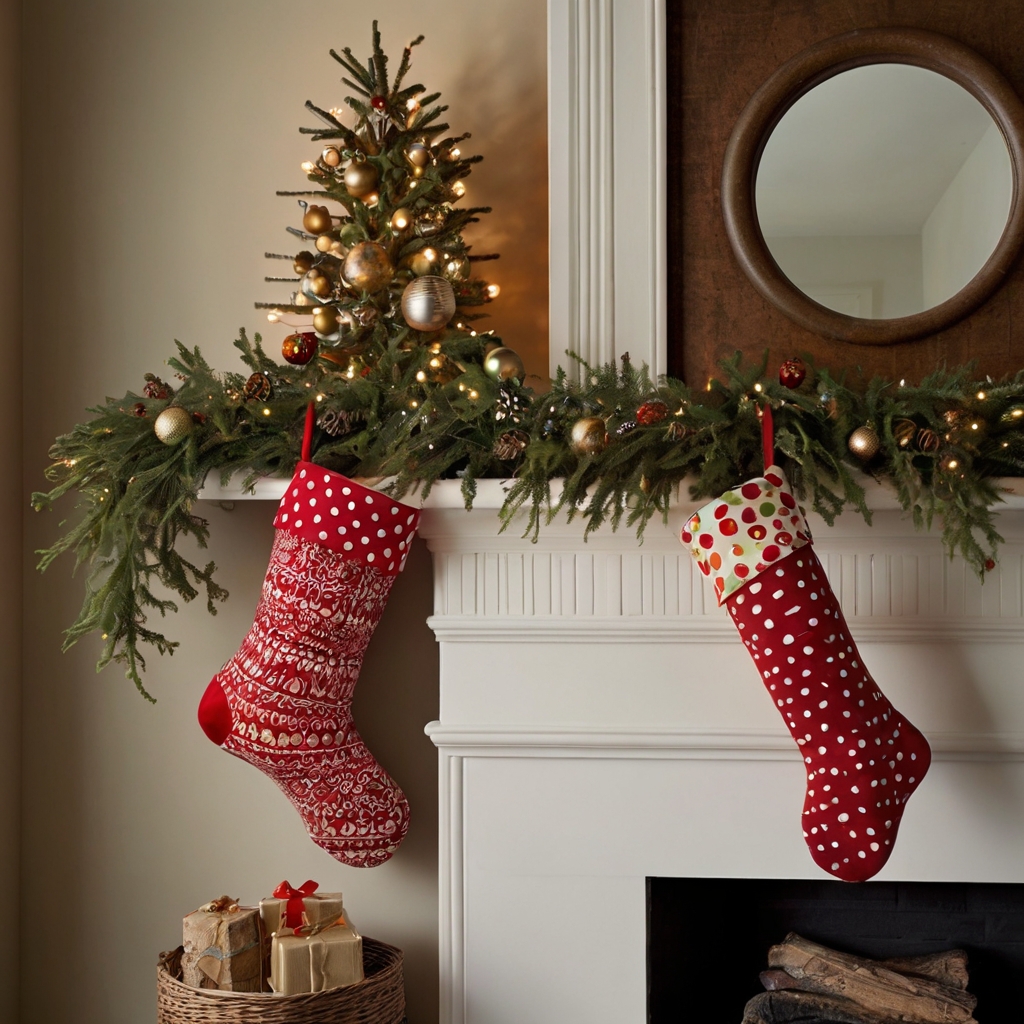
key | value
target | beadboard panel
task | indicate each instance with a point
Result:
(915, 585)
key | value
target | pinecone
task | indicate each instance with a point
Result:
(510, 445)
(336, 422)
(156, 388)
(257, 388)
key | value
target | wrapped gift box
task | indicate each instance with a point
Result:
(316, 912)
(224, 947)
(314, 945)
(331, 958)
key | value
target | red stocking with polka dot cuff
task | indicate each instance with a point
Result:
(283, 702)
(863, 759)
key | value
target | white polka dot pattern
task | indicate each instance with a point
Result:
(737, 536)
(356, 521)
(863, 759)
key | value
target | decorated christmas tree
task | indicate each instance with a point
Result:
(383, 300)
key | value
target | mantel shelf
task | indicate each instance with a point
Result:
(447, 494)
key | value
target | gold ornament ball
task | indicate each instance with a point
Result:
(504, 364)
(367, 267)
(402, 219)
(318, 283)
(428, 303)
(317, 220)
(457, 268)
(173, 425)
(864, 443)
(331, 156)
(589, 436)
(360, 178)
(418, 155)
(420, 263)
(326, 321)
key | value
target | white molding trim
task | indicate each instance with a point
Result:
(606, 154)
(705, 630)
(461, 741)
(451, 891)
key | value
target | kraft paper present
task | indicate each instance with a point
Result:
(319, 911)
(331, 958)
(224, 947)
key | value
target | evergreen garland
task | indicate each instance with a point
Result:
(418, 406)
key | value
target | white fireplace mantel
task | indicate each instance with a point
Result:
(600, 723)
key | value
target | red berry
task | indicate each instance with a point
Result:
(989, 564)
(298, 349)
(138, 409)
(792, 372)
(378, 103)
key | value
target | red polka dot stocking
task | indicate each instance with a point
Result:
(283, 702)
(863, 758)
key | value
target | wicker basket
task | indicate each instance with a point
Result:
(378, 999)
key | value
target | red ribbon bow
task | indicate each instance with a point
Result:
(293, 909)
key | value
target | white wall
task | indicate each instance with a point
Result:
(155, 136)
(890, 265)
(964, 227)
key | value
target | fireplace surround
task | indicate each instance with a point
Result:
(600, 724)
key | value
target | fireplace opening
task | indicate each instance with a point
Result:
(708, 938)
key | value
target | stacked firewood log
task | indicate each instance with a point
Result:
(811, 984)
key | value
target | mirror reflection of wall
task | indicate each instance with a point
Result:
(883, 190)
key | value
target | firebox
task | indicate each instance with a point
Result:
(708, 938)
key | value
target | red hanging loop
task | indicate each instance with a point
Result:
(307, 435)
(767, 436)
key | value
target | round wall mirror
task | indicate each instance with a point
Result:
(871, 186)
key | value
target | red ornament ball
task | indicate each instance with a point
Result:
(298, 349)
(378, 103)
(990, 564)
(792, 372)
(651, 412)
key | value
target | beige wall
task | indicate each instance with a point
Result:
(155, 137)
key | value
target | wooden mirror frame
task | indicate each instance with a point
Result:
(774, 98)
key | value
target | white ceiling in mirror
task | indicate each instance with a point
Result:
(889, 181)
(868, 152)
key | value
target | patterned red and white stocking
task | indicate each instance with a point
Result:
(283, 702)
(863, 758)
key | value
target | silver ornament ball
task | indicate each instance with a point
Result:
(173, 425)
(428, 303)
